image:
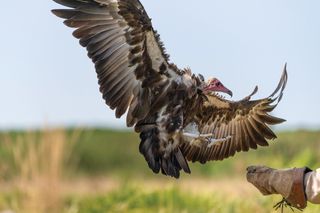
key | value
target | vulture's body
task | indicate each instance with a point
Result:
(179, 116)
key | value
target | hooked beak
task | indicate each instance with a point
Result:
(221, 88)
(224, 90)
(229, 92)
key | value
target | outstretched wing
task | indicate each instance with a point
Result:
(129, 58)
(243, 124)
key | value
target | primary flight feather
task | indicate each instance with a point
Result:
(180, 116)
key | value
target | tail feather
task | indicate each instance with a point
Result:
(182, 161)
(170, 167)
(150, 148)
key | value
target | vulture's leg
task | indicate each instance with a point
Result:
(192, 135)
(195, 138)
(198, 139)
(213, 141)
(192, 131)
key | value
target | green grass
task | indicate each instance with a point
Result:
(112, 152)
(115, 155)
(108, 152)
(130, 199)
(172, 200)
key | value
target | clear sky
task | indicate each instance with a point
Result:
(47, 79)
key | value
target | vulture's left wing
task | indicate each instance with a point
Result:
(243, 125)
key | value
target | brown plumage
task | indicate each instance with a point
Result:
(178, 115)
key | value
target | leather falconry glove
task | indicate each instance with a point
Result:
(287, 182)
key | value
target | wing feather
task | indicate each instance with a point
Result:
(246, 122)
(249, 137)
(125, 48)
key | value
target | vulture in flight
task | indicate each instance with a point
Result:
(180, 116)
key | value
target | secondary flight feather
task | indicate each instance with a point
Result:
(179, 115)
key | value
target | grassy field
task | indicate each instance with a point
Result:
(96, 170)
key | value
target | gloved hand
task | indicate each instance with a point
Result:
(287, 182)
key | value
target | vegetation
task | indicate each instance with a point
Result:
(98, 170)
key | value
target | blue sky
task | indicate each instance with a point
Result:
(47, 79)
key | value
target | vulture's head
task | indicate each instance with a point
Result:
(214, 85)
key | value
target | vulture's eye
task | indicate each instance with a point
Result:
(218, 84)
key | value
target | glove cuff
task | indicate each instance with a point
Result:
(297, 196)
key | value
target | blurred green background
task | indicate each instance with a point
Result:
(99, 170)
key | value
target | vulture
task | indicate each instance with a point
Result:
(180, 116)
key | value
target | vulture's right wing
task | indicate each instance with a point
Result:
(241, 125)
(129, 58)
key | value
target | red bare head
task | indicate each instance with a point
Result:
(214, 85)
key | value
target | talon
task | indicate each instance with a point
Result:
(209, 139)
